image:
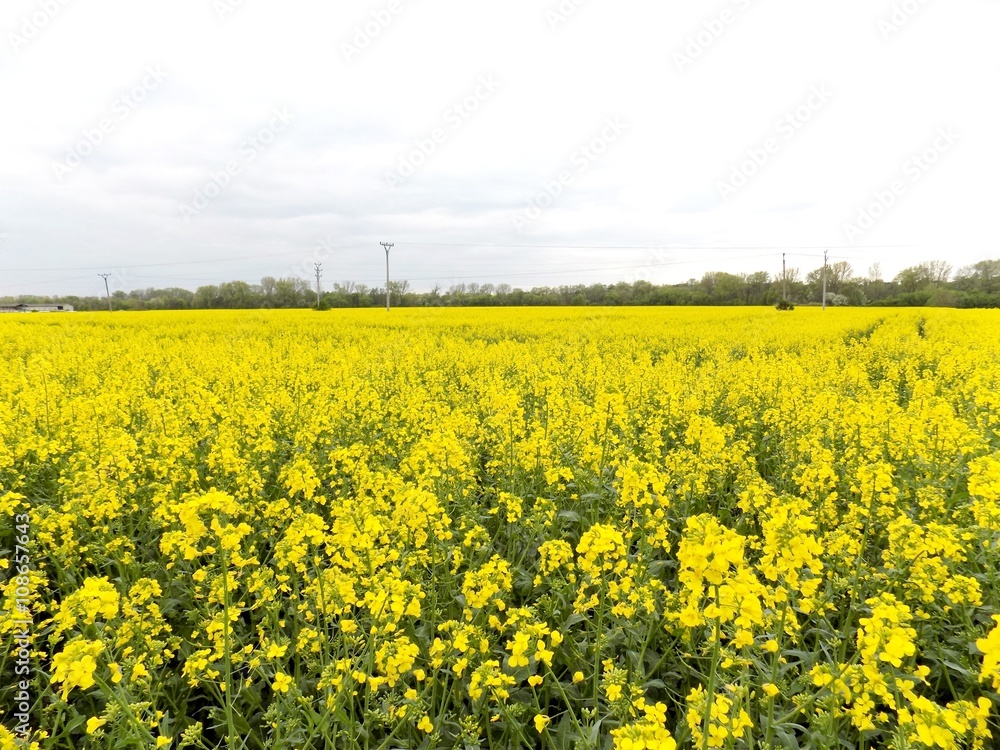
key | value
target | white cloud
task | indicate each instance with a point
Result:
(326, 175)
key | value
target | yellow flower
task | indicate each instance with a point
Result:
(518, 649)
(281, 682)
(541, 721)
(990, 646)
(425, 724)
(75, 665)
(601, 550)
(535, 680)
(770, 689)
(578, 678)
(94, 723)
(487, 584)
(274, 651)
(396, 658)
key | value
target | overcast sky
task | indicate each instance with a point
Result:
(529, 142)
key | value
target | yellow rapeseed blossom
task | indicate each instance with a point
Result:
(731, 526)
(75, 665)
(990, 646)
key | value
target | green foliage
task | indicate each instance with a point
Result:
(927, 283)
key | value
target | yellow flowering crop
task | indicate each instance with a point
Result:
(644, 528)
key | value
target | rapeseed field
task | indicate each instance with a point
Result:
(551, 528)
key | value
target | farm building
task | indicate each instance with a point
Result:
(35, 308)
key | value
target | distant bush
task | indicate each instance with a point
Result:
(979, 299)
(907, 299)
(945, 298)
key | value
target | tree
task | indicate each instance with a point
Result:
(929, 282)
(919, 277)
(206, 296)
(236, 295)
(723, 288)
(983, 276)
(839, 273)
(268, 286)
(399, 290)
(938, 271)
(291, 293)
(757, 287)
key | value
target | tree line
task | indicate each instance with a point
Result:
(926, 284)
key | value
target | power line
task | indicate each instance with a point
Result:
(158, 265)
(472, 245)
(660, 247)
(47, 282)
(572, 269)
(597, 270)
(568, 268)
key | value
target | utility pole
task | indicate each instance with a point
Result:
(388, 246)
(784, 279)
(825, 254)
(106, 289)
(319, 274)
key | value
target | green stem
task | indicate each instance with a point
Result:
(124, 706)
(227, 646)
(775, 660)
(597, 651)
(710, 695)
(808, 703)
(569, 705)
